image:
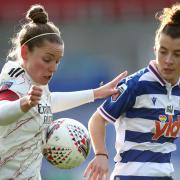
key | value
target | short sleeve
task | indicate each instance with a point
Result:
(118, 104)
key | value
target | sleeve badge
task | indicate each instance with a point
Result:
(121, 88)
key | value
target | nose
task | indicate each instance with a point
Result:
(169, 58)
(53, 67)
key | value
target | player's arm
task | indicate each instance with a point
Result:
(10, 111)
(12, 107)
(66, 100)
(97, 131)
(98, 167)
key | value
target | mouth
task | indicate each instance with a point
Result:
(168, 71)
(48, 77)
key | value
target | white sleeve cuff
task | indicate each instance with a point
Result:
(62, 101)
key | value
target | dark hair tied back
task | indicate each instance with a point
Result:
(37, 14)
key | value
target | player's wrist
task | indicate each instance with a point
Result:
(95, 94)
(102, 154)
(25, 106)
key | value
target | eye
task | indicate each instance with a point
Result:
(163, 52)
(177, 55)
(47, 60)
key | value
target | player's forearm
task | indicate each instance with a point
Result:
(10, 111)
(97, 132)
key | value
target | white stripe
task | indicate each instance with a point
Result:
(162, 101)
(154, 147)
(143, 169)
(149, 76)
(139, 124)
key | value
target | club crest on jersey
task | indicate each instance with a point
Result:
(167, 127)
(5, 85)
(169, 109)
(121, 90)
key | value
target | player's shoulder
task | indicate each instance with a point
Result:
(133, 79)
(13, 78)
(11, 70)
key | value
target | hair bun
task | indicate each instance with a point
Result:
(37, 14)
(176, 17)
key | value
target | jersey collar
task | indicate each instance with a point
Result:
(154, 70)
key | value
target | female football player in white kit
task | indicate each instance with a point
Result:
(146, 113)
(26, 105)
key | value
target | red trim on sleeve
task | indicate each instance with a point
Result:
(8, 95)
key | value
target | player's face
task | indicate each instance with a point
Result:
(43, 61)
(167, 52)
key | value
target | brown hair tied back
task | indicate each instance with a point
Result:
(169, 22)
(170, 16)
(35, 32)
(37, 14)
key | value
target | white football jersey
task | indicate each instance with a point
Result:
(21, 141)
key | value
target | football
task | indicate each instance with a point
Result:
(67, 143)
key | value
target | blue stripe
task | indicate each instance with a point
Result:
(149, 114)
(176, 91)
(145, 156)
(149, 87)
(141, 178)
(140, 137)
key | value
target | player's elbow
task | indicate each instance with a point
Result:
(96, 121)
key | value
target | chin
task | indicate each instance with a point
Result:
(44, 83)
(167, 76)
(171, 80)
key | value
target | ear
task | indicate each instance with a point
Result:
(24, 51)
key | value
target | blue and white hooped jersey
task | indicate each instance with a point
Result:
(146, 115)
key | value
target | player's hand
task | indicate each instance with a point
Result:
(32, 99)
(109, 88)
(97, 169)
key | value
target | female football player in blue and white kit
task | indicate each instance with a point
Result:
(146, 114)
(26, 105)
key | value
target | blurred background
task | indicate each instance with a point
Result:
(102, 38)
